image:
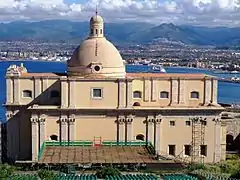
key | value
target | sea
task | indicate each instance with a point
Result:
(228, 93)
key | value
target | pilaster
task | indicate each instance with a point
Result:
(71, 94)
(158, 121)
(217, 137)
(154, 92)
(121, 94)
(150, 129)
(64, 94)
(42, 130)
(214, 91)
(35, 144)
(120, 128)
(147, 89)
(207, 91)
(181, 91)
(9, 90)
(129, 121)
(129, 99)
(174, 91)
(37, 87)
(16, 91)
(64, 127)
(71, 121)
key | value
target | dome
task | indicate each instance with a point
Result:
(96, 19)
(96, 55)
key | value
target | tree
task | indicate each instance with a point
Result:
(45, 174)
(108, 171)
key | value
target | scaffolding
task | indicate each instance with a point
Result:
(198, 134)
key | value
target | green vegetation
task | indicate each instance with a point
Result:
(108, 171)
(6, 171)
(45, 174)
(228, 168)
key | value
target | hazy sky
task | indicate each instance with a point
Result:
(200, 12)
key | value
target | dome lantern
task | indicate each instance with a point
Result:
(96, 26)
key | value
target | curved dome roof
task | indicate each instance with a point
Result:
(96, 55)
(96, 19)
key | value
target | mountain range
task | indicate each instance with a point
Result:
(137, 33)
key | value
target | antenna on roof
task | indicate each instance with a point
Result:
(96, 10)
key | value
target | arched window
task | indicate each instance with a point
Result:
(229, 142)
(195, 94)
(137, 94)
(54, 137)
(140, 137)
(136, 104)
(101, 31)
(164, 94)
(55, 94)
(96, 31)
(27, 93)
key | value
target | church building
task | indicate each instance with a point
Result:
(97, 100)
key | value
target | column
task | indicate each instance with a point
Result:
(181, 91)
(35, 144)
(217, 155)
(16, 91)
(154, 92)
(207, 91)
(9, 90)
(157, 134)
(64, 93)
(71, 122)
(64, 128)
(121, 94)
(42, 130)
(129, 121)
(129, 99)
(71, 94)
(120, 128)
(37, 87)
(147, 89)
(174, 91)
(214, 91)
(149, 129)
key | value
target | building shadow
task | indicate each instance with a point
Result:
(17, 131)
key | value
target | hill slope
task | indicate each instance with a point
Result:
(62, 30)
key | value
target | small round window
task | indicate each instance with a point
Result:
(97, 68)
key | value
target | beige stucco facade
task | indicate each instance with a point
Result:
(156, 107)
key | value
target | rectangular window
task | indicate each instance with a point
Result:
(97, 93)
(172, 123)
(187, 150)
(203, 150)
(188, 123)
(171, 150)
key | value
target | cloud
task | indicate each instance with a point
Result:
(196, 12)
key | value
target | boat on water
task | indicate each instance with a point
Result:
(158, 68)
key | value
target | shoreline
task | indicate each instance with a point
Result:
(173, 67)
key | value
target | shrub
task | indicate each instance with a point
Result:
(6, 171)
(193, 167)
(106, 171)
(45, 174)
